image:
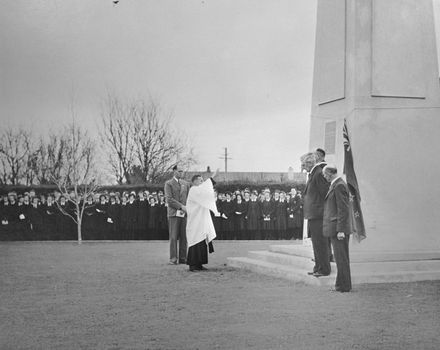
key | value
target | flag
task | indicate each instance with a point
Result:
(355, 198)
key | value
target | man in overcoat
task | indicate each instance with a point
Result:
(338, 226)
(314, 194)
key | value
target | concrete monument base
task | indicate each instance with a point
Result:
(292, 262)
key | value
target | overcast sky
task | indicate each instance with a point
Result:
(235, 73)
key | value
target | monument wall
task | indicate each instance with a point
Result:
(376, 67)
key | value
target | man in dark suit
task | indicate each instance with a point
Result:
(320, 160)
(176, 192)
(314, 194)
(337, 225)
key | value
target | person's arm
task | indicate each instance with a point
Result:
(214, 175)
(343, 208)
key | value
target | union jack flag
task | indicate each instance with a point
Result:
(355, 198)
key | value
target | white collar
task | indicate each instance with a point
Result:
(175, 178)
(317, 164)
(333, 181)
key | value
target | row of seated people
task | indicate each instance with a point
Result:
(143, 216)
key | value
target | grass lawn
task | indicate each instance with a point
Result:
(61, 295)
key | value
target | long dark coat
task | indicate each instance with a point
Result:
(142, 218)
(114, 213)
(239, 216)
(281, 215)
(294, 211)
(253, 215)
(37, 223)
(228, 208)
(63, 223)
(132, 216)
(49, 221)
(267, 211)
(124, 211)
(101, 217)
(89, 229)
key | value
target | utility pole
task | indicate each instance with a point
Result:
(225, 157)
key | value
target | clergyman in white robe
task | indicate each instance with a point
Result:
(200, 229)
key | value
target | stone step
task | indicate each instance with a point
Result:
(357, 255)
(297, 250)
(295, 268)
(296, 261)
(280, 271)
(394, 277)
(387, 267)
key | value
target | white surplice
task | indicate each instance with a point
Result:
(200, 201)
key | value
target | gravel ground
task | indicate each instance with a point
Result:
(61, 295)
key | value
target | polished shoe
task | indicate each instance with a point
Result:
(202, 268)
(318, 274)
(311, 273)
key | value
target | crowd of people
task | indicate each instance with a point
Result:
(243, 215)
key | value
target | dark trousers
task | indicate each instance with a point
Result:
(320, 247)
(330, 253)
(340, 251)
(177, 229)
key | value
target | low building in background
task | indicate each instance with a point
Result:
(253, 177)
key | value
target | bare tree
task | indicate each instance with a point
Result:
(139, 137)
(4, 173)
(15, 150)
(158, 148)
(50, 158)
(77, 177)
(117, 134)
